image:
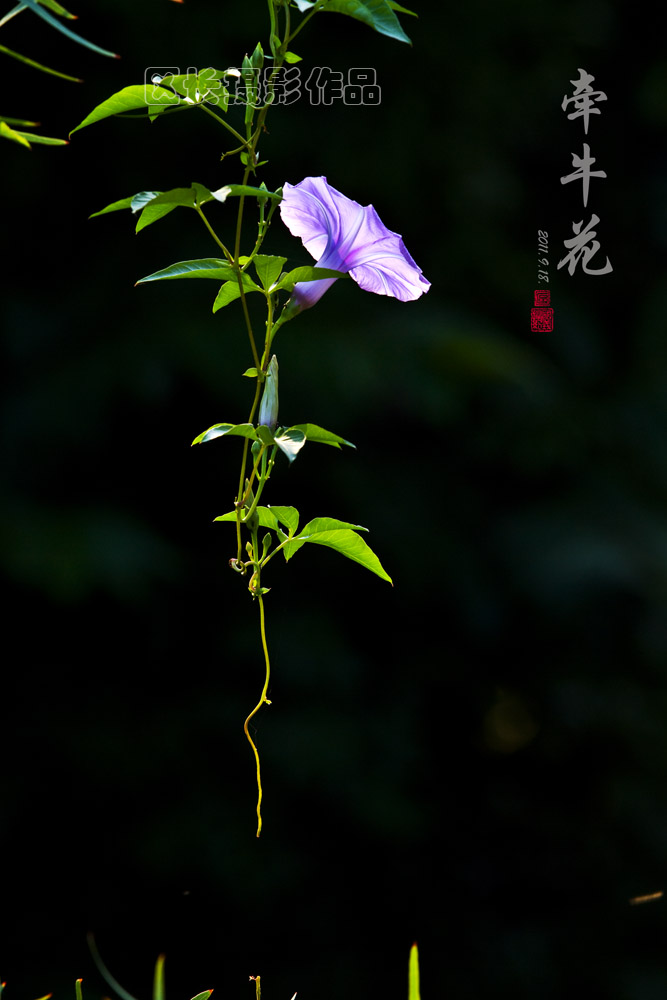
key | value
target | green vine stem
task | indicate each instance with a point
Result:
(262, 701)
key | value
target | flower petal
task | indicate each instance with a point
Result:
(346, 236)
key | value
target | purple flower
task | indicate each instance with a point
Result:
(345, 236)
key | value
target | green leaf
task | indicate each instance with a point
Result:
(18, 121)
(142, 199)
(413, 974)
(292, 57)
(250, 373)
(289, 280)
(39, 66)
(77, 989)
(208, 267)
(231, 291)
(288, 516)
(158, 979)
(196, 194)
(9, 133)
(290, 442)
(267, 518)
(128, 99)
(329, 524)
(228, 430)
(377, 14)
(152, 213)
(203, 996)
(401, 10)
(265, 435)
(50, 19)
(43, 140)
(115, 206)
(234, 190)
(58, 8)
(163, 202)
(25, 138)
(345, 541)
(268, 268)
(320, 436)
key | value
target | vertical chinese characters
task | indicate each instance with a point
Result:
(583, 246)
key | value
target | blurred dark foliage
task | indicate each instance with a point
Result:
(476, 758)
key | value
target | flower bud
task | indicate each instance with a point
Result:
(268, 410)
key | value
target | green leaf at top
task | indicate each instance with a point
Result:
(268, 268)
(229, 430)
(208, 267)
(50, 19)
(377, 14)
(321, 436)
(203, 996)
(413, 974)
(289, 280)
(129, 99)
(292, 57)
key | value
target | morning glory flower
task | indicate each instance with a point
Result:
(345, 236)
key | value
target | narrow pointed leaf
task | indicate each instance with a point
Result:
(207, 267)
(9, 133)
(230, 430)
(25, 138)
(43, 140)
(58, 8)
(206, 994)
(50, 19)
(158, 979)
(39, 66)
(128, 99)
(377, 14)
(321, 436)
(413, 974)
(401, 10)
(115, 206)
(19, 121)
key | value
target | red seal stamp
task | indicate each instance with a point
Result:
(542, 315)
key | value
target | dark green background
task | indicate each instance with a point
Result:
(476, 758)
